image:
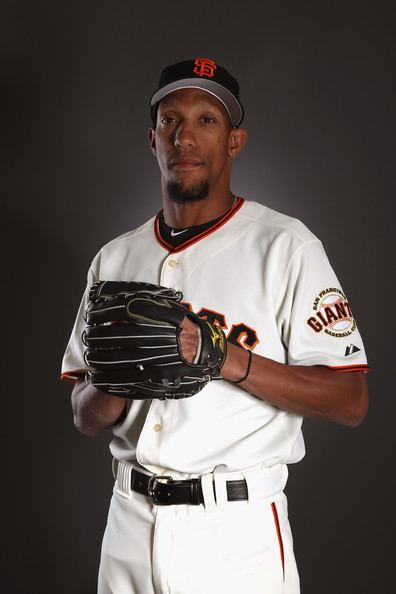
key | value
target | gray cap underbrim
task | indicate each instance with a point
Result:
(230, 103)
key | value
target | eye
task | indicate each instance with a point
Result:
(206, 119)
(167, 120)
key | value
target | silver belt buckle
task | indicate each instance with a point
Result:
(151, 487)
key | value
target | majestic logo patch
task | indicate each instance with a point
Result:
(331, 314)
(204, 67)
(351, 349)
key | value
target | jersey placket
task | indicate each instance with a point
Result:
(155, 432)
(154, 435)
(172, 271)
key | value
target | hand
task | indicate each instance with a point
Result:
(141, 343)
(189, 339)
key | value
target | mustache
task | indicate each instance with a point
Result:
(187, 158)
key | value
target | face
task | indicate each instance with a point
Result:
(194, 143)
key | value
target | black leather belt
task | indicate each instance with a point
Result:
(165, 491)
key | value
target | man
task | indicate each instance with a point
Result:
(265, 280)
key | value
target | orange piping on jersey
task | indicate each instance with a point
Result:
(228, 215)
(343, 368)
(72, 376)
(276, 519)
(158, 236)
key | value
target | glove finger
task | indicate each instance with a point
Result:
(155, 311)
(109, 310)
(127, 335)
(132, 358)
(123, 385)
(105, 289)
(173, 374)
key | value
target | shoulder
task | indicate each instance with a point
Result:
(136, 239)
(276, 227)
(130, 236)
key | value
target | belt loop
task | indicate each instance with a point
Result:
(220, 486)
(207, 491)
(123, 480)
(265, 483)
(254, 478)
(114, 467)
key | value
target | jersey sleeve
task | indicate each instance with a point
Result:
(315, 318)
(73, 364)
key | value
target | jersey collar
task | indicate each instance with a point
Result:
(216, 225)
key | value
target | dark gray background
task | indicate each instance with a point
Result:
(75, 82)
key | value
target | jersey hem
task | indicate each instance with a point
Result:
(343, 368)
(72, 376)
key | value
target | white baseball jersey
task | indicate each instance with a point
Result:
(266, 280)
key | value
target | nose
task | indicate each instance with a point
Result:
(184, 135)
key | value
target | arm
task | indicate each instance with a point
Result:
(316, 391)
(94, 410)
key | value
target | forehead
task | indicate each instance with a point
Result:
(192, 98)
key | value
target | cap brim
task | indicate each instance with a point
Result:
(232, 106)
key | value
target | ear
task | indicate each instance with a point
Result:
(237, 141)
(151, 139)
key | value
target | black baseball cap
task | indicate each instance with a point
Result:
(205, 74)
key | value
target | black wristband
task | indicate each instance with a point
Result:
(247, 370)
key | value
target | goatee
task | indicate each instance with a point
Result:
(193, 194)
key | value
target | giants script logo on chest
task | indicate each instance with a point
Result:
(239, 334)
(332, 314)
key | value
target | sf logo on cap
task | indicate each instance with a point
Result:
(204, 67)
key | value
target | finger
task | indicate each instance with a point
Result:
(189, 340)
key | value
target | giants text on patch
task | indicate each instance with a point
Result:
(332, 314)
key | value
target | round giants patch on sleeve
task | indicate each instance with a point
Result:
(332, 314)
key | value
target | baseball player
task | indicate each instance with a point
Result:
(198, 504)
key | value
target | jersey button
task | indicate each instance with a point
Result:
(172, 263)
(157, 427)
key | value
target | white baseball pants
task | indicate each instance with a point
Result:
(222, 547)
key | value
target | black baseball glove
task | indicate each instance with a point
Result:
(133, 348)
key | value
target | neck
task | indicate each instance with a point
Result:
(196, 213)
